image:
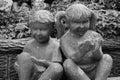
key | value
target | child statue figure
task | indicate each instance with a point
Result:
(82, 46)
(41, 57)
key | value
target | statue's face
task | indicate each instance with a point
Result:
(79, 28)
(40, 31)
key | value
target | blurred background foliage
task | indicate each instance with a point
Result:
(13, 25)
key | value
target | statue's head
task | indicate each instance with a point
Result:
(80, 12)
(76, 13)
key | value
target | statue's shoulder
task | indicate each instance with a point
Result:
(29, 43)
(65, 37)
(91, 33)
(55, 42)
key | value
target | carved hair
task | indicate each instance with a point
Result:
(42, 16)
(78, 12)
(59, 15)
(74, 13)
(59, 23)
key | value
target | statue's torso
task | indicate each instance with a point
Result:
(70, 46)
(48, 52)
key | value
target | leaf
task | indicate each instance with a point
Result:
(20, 35)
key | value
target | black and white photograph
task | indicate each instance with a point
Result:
(59, 39)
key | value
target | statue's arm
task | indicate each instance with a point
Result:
(83, 49)
(40, 62)
(56, 58)
(97, 54)
(66, 48)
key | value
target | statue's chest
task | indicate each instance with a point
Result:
(73, 44)
(42, 53)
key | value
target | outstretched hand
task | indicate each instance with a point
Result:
(86, 47)
(83, 49)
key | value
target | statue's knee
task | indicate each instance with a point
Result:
(67, 64)
(57, 68)
(23, 57)
(107, 58)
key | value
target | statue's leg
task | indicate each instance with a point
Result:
(73, 71)
(25, 66)
(53, 72)
(38, 70)
(104, 67)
